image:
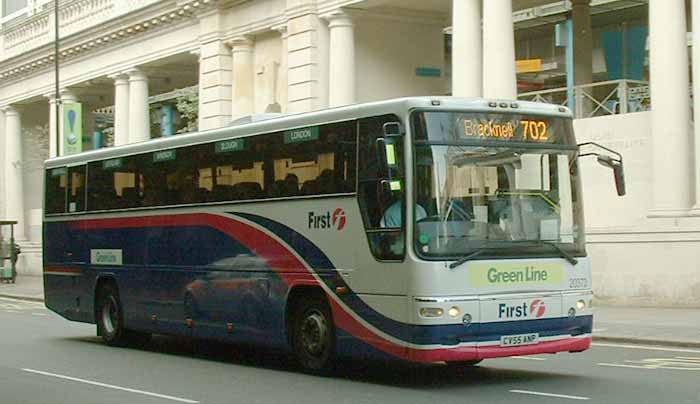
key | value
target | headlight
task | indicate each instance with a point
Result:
(580, 305)
(431, 312)
(572, 312)
(453, 312)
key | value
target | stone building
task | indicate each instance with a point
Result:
(126, 62)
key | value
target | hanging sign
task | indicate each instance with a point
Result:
(72, 128)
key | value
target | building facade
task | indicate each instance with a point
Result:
(134, 65)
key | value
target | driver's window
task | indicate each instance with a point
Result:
(381, 188)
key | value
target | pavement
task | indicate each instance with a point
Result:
(25, 288)
(637, 325)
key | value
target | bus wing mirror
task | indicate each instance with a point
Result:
(611, 162)
(393, 129)
(620, 180)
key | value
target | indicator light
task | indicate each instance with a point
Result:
(431, 312)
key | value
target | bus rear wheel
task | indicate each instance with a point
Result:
(313, 337)
(110, 320)
(109, 316)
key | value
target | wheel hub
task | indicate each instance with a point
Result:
(110, 317)
(314, 331)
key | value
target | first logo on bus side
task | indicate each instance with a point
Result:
(327, 220)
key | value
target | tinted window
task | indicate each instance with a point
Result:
(56, 182)
(115, 184)
(76, 189)
(313, 161)
(318, 160)
(381, 188)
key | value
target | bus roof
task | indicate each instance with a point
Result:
(398, 106)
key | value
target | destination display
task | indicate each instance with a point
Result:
(506, 127)
(525, 130)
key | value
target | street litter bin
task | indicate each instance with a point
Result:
(8, 254)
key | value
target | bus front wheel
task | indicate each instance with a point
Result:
(313, 335)
(463, 365)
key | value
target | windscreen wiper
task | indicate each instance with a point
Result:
(564, 254)
(570, 258)
(466, 258)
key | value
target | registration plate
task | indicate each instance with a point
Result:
(521, 339)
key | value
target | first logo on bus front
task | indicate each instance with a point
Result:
(327, 220)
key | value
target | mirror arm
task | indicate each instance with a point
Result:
(619, 156)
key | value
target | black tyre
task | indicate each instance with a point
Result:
(463, 365)
(109, 317)
(110, 320)
(313, 337)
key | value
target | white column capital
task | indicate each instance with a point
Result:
(282, 29)
(119, 78)
(68, 95)
(11, 110)
(136, 74)
(241, 44)
(339, 18)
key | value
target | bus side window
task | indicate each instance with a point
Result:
(56, 184)
(76, 189)
(381, 188)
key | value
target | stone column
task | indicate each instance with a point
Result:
(282, 75)
(583, 50)
(696, 99)
(341, 60)
(670, 103)
(53, 130)
(3, 168)
(139, 114)
(121, 109)
(14, 192)
(89, 126)
(467, 77)
(307, 65)
(214, 85)
(499, 50)
(242, 82)
(67, 97)
(323, 43)
(583, 41)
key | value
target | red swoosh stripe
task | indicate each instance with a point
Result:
(294, 272)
